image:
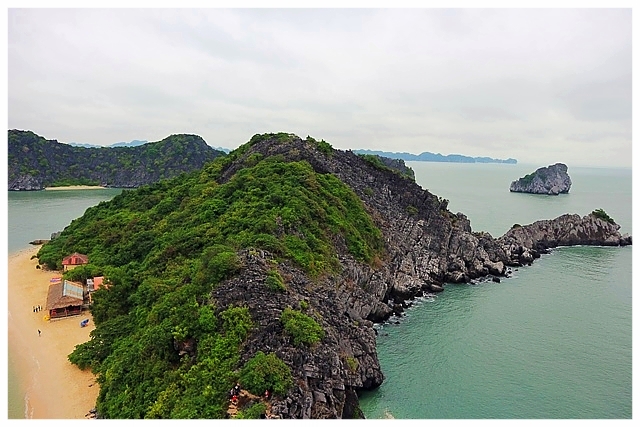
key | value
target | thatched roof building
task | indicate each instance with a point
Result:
(65, 299)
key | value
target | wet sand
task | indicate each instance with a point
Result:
(52, 386)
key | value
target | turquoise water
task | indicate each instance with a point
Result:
(35, 215)
(553, 342)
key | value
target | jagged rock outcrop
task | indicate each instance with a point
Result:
(35, 163)
(551, 180)
(426, 244)
(328, 374)
(398, 165)
(524, 243)
(24, 182)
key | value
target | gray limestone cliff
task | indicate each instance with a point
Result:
(551, 180)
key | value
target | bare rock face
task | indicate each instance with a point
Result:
(25, 183)
(524, 243)
(327, 374)
(551, 180)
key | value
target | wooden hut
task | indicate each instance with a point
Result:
(74, 260)
(65, 299)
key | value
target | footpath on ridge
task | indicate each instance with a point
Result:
(244, 400)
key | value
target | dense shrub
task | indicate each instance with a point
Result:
(600, 213)
(252, 412)
(266, 372)
(304, 329)
(275, 282)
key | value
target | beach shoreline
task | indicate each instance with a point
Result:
(52, 387)
(75, 187)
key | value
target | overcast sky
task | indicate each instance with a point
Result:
(538, 85)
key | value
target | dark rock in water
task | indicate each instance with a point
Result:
(25, 183)
(495, 279)
(523, 244)
(38, 242)
(552, 180)
(436, 288)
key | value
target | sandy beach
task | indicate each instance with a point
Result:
(53, 387)
(76, 187)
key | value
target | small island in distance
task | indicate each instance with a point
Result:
(431, 157)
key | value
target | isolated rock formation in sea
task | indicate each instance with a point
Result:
(552, 180)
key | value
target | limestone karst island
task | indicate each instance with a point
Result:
(551, 180)
(267, 267)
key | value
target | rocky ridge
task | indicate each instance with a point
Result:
(426, 245)
(552, 180)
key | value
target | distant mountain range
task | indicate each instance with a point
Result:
(134, 143)
(431, 157)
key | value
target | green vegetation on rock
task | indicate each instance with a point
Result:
(304, 329)
(600, 213)
(266, 372)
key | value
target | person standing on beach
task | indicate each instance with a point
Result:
(38, 332)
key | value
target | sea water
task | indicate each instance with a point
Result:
(553, 342)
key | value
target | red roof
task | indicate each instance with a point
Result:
(75, 259)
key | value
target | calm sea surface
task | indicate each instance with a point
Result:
(554, 341)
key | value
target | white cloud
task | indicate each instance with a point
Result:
(483, 82)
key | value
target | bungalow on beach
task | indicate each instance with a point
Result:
(74, 260)
(64, 299)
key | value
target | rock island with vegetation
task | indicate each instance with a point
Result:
(552, 180)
